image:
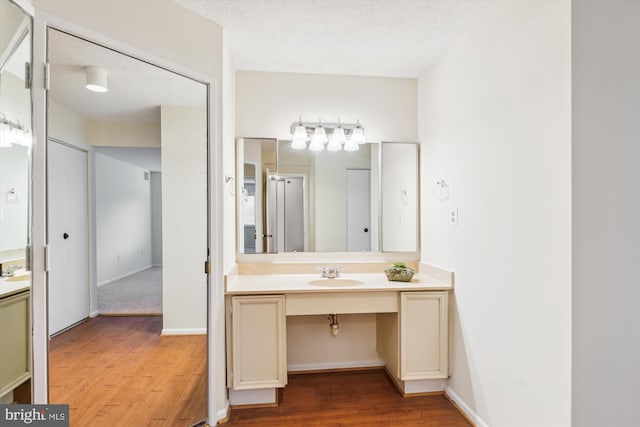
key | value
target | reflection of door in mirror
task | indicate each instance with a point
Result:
(15, 202)
(255, 158)
(249, 208)
(286, 213)
(358, 210)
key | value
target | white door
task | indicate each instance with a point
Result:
(358, 210)
(68, 225)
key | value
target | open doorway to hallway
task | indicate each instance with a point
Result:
(146, 231)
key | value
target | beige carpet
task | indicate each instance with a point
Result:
(140, 293)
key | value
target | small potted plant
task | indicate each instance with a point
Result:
(399, 272)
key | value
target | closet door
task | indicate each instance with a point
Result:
(68, 225)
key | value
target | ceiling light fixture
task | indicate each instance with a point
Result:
(337, 136)
(96, 79)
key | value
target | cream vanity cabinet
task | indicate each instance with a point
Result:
(415, 341)
(258, 342)
(412, 333)
(15, 344)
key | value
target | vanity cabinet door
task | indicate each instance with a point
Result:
(259, 353)
(424, 335)
(15, 342)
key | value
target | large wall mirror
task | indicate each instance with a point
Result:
(15, 204)
(304, 201)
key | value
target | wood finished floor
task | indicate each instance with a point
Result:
(119, 372)
(354, 399)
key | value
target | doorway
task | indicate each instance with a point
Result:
(144, 108)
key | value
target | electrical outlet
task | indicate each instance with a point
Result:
(453, 216)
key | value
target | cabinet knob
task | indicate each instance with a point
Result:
(65, 236)
(366, 229)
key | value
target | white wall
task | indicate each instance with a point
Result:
(123, 219)
(228, 154)
(123, 134)
(606, 212)
(267, 103)
(156, 218)
(494, 120)
(66, 125)
(184, 220)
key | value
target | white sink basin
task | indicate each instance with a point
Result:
(336, 283)
(19, 278)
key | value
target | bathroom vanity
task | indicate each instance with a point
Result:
(412, 323)
(15, 342)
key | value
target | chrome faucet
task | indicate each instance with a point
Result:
(10, 271)
(330, 272)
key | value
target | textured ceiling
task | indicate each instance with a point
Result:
(395, 38)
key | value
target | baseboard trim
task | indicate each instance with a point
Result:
(301, 367)
(184, 331)
(254, 398)
(107, 314)
(224, 414)
(464, 409)
(94, 314)
(331, 370)
(131, 273)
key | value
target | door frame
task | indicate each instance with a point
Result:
(42, 21)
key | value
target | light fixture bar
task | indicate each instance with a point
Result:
(311, 126)
(11, 123)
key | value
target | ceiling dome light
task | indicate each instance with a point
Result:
(318, 139)
(96, 79)
(299, 141)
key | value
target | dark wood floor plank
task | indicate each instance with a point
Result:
(119, 371)
(354, 399)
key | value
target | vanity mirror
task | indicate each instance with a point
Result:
(320, 201)
(15, 204)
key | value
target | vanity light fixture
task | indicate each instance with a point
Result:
(12, 132)
(299, 141)
(357, 136)
(336, 136)
(318, 139)
(96, 79)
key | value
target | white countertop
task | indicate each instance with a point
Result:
(10, 288)
(297, 283)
